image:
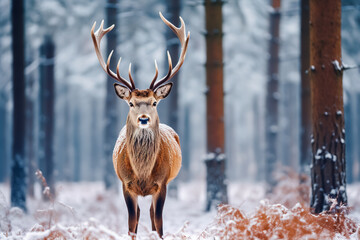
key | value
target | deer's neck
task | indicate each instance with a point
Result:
(143, 147)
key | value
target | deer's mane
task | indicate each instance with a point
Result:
(143, 147)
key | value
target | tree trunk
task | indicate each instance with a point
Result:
(358, 134)
(185, 146)
(172, 44)
(272, 98)
(289, 135)
(47, 96)
(18, 168)
(30, 137)
(328, 178)
(215, 162)
(68, 146)
(3, 157)
(111, 107)
(257, 140)
(349, 139)
(77, 145)
(305, 129)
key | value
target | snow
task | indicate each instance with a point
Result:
(85, 209)
(337, 65)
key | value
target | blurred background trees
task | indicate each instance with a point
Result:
(80, 86)
(18, 164)
(272, 97)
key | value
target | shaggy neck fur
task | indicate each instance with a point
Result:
(143, 146)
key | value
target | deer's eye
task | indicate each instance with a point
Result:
(131, 104)
(154, 104)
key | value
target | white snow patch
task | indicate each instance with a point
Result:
(337, 65)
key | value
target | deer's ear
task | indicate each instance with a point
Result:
(163, 91)
(121, 91)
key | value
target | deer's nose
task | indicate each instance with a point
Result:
(144, 119)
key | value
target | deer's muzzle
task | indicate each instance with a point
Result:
(143, 121)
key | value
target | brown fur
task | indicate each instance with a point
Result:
(164, 167)
(146, 157)
(142, 93)
(143, 146)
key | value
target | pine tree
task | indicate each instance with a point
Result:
(215, 162)
(111, 110)
(272, 98)
(328, 177)
(172, 44)
(18, 168)
(47, 118)
(305, 130)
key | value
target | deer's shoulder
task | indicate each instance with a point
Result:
(168, 134)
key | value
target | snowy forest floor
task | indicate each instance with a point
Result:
(87, 211)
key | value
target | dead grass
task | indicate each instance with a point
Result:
(278, 222)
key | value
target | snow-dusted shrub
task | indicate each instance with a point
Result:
(278, 222)
(291, 188)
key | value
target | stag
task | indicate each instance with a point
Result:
(147, 154)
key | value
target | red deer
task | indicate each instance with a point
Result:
(147, 154)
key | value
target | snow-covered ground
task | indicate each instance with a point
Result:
(86, 211)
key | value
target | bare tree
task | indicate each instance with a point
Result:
(18, 169)
(328, 176)
(173, 9)
(111, 110)
(305, 130)
(3, 160)
(215, 162)
(30, 125)
(46, 99)
(272, 97)
(349, 139)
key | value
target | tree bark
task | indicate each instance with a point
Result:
(305, 129)
(3, 157)
(172, 44)
(272, 98)
(358, 133)
(215, 163)
(111, 107)
(30, 136)
(257, 140)
(349, 139)
(47, 97)
(328, 177)
(289, 133)
(18, 168)
(77, 145)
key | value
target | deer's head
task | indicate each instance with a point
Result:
(142, 103)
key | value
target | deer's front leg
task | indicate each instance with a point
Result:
(131, 203)
(158, 205)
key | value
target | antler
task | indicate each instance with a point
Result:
(96, 37)
(184, 40)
